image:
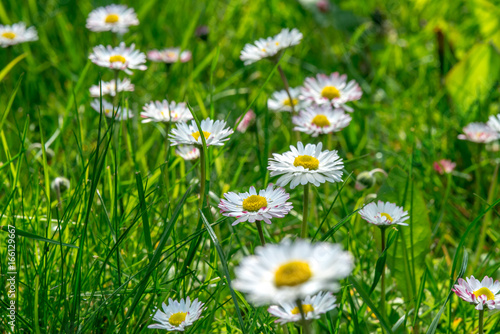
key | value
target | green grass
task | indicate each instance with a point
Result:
(124, 239)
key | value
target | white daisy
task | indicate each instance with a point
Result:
(170, 55)
(214, 132)
(313, 308)
(17, 33)
(484, 293)
(245, 123)
(494, 122)
(176, 316)
(109, 88)
(280, 101)
(188, 152)
(304, 165)
(115, 18)
(285, 272)
(269, 47)
(119, 58)
(319, 120)
(479, 133)
(333, 89)
(384, 214)
(122, 114)
(165, 112)
(250, 206)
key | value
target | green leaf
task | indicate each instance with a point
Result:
(36, 237)
(11, 65)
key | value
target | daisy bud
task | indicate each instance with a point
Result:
(323, 6)
(202, 32)
(60, 184)
(366, 180)
(245, 123)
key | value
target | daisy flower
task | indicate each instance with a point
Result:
(248, 120)
(319, 120)
(115, 18)
(479, 133)
(285, 272)
(313, 308)
(384, 214)
(481, 294)
(166, 112)
(214, 132)
(176, 316)
(250, 206)
(16, 33)
(109, 88)
(444, 166)
(170, 55)
(494, 122)
(333, 89)
(119, 58)
(122, 114)
(188, 152)
(269, 47)
(303, 165)
(280, 101)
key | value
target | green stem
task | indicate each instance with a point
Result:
(382, 278)
(481, 316)
(261, 233)
(116, 100)
(287, 88)
(305, 212)
(203, 176)
(305, 324)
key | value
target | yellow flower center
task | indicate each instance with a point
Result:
(111, 18)
(263, 50)
(307, 162)
(306, 308)
(116, 58)
(107, 111)
(387, 216)
(321, 121)
(330, 92)
(254, 203)
(485, 292)
(196, 135)
(9, 35)
(288, 103)
(292, 273)
(177, 318)
(277, 43)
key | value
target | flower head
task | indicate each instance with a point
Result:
(384, 214)
(119, 58)
(481, 294)
(214, 132)
(16, 33)
(251, 206)
(307, 164)
(319, 120)
(479, 133)
(166, 112)
(313, 307)
(187, 152)
(494, 122)
(269, 47)
(109, 88)
(121, 114)
(444, 166)
(280, 101)
(285, 272)
(176, 316)
(115, 18)
(333, 89)
(247, 120)
(169, 56)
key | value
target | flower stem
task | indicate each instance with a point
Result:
(261, 233)
(287, 88)
(116, 99)
(382, 278)
(305, 211)
(203, 176)
(481, 316)
(305, 324)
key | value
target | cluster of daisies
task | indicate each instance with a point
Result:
(297, 278)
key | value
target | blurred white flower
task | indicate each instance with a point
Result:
(169, 56)
(188, 152)
(109, 88)
(313, 307)
(115, 18)
(384, 214)
(215, 133)
(479, 133)
(16, 33)
(318, 120)
(280, 101)
(248, 120)
(119, 58)
(164, 111)
(121, 114)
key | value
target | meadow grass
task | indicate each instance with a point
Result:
(129, 233)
